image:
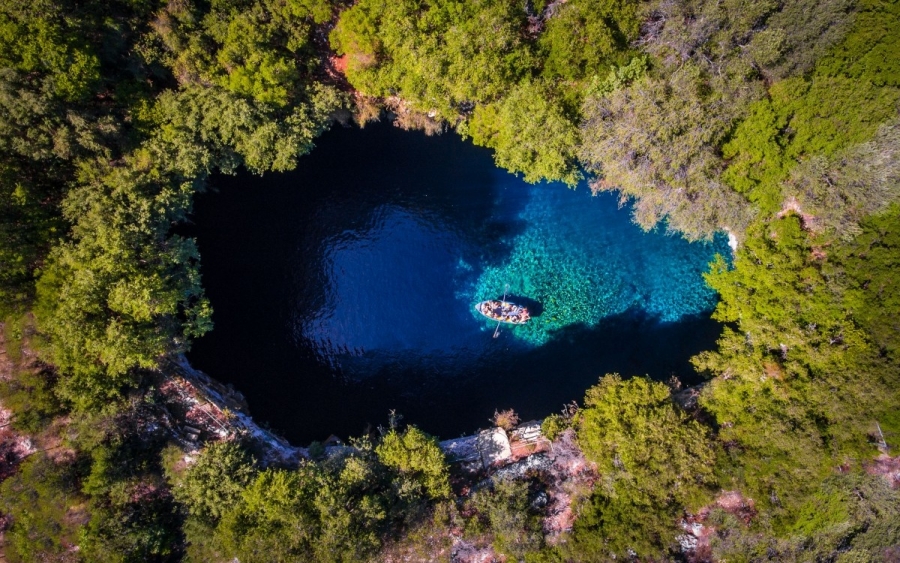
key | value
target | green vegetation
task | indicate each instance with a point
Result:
(418, 459)
(777, 121)
(654, 462)
(38, 499)
(809, 357)
(504, 510)
(508, 89)
(237, 509)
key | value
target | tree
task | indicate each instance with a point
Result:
(654, 462)
(417, 457)
(42, 44)
(38, 500)
(799, 384)
(275, 519)
(529, 133)
(257, 50)
(586, 37)
(434, 55)
(505, 508)
(214, 484)
(839, 192)
(656, 141)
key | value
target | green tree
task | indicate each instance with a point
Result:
(258, 50)
(800, 386)
(434, 55)
(215, 483)
(529, 133)
(505, 509)
(37, 40)
(146, 527)
(38, 499)
(275, 519)
(654, 463)
(837, 194)
(416, 456)
(586, 37)
(656, 140)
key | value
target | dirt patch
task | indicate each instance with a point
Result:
(468, 552)
(887, 467)
(792, 206)
(14, 447)
(570, 477)
(695, 542)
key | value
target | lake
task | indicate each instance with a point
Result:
(346, 288)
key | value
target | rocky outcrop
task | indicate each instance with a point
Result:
(220, 412)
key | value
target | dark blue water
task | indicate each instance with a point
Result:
(346, 288)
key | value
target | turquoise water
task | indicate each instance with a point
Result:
(347, 288)
(581, 258)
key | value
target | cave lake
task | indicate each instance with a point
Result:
(346, 288)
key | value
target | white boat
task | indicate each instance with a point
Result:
(504, 312)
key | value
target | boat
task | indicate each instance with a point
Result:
(504, 312)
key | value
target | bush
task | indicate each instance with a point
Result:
(214, 484)
(506, 420)
(40, 501)
(506, 511)
(416, 455)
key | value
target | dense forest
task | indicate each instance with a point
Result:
(774, 121)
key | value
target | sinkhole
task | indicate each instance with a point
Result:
(346, 288)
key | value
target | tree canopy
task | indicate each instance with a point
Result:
(775, 121)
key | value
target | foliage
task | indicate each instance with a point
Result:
(618, 77)
(785, 300)
(815, 121)
(529, 133)
(435, 58)
(436, 54)
(868, 53)
(125, 291)
(204, 129)
(849, 518)
(655, 141)
(585, 37)
(146, 527)
(700, 127)
(29, 221)
(212, 486)
(259, 50)
(506, 419)
(300, 514)
(38, 40)
(133, 516)
(841, 191)
(338, 509)
(871, 290)
(707, 114)
(275, 518)
(38, 499)
(416, 456)
(797, 36)
(31, 398)
(653, 459)
(504, 509)
(554, 425)
(802, 358)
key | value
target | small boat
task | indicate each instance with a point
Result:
(504, 312)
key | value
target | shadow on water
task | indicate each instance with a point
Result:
(540, 380)
(306, 400)
(535, 308)
(344, 289)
